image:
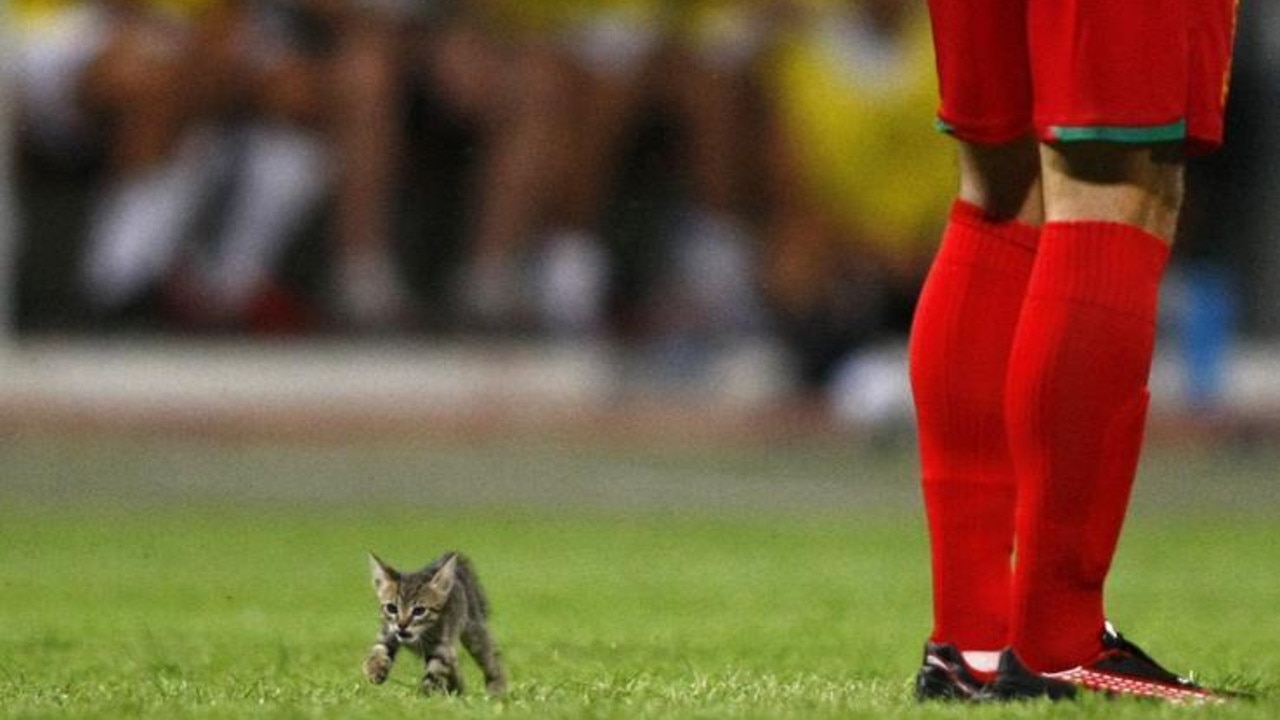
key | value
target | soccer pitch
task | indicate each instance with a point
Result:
(152, 577)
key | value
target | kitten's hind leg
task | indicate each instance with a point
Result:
(477, 640)
(442, 673)
(382, 656)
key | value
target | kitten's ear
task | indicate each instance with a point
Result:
(383, 574)
(442, 582)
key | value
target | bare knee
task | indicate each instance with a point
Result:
(1003, 179)
(1139, 185)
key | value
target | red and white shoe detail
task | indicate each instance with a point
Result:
(1113, 684)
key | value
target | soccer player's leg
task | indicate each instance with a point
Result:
(1076, 394)
(962, 334)
(1077, 385)
(959, 352)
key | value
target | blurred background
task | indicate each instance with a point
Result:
(367, 212)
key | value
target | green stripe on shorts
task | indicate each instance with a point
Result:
(1151, 134)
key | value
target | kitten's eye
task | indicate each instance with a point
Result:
(419, 611)
(390, 609)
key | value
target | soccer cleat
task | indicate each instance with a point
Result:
(944, 675)
(1121, 669)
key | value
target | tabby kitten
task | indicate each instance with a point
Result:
(429, 612)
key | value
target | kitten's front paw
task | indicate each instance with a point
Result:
(378, 666)
(441, 683)
(434, 685)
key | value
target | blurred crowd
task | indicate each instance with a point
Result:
(671, 173)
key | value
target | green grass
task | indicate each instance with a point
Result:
(177, 579)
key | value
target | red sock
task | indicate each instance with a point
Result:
(1077, 401)
(959, 352)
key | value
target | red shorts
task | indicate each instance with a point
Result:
(1111, 70)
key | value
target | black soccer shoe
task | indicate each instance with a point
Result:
(944, 675)
(1122, 669)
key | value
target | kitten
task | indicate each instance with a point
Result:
(429, 612)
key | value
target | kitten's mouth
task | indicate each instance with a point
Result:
(406, 636)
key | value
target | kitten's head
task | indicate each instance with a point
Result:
(411, 603)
